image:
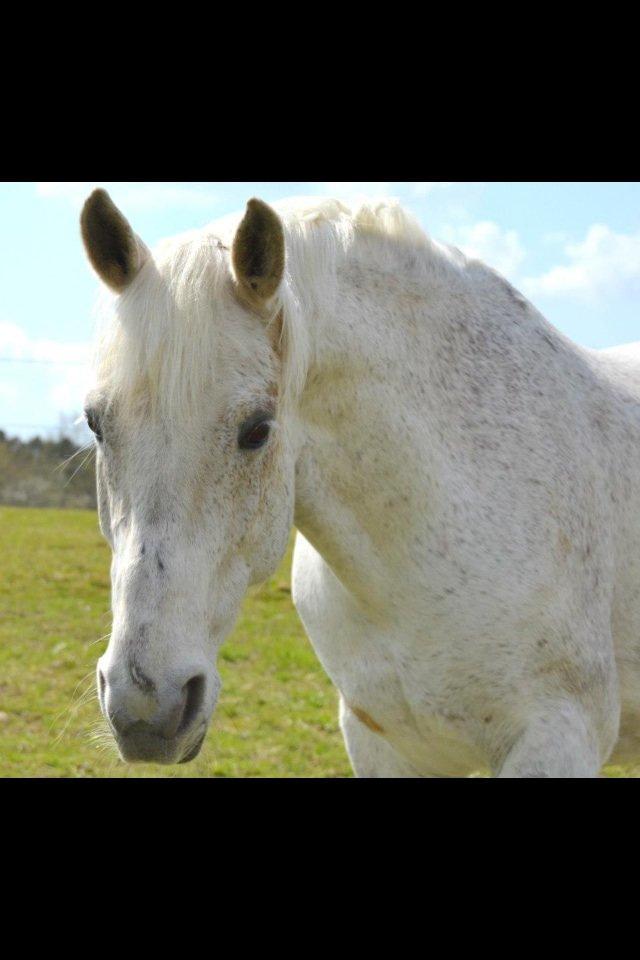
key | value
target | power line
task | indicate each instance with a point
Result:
(53, 363)
(32, 426)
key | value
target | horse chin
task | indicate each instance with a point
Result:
(153, 749)
(195, 750)
(160, 753)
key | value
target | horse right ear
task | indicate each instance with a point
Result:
(114, 250)
(258, 253)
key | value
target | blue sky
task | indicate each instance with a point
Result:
(572, 248)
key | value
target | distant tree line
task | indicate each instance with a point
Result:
(46, 473)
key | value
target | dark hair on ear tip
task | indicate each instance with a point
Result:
(258, 253)
(112, 247)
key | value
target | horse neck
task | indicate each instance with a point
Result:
(365, 464)
(412, 373)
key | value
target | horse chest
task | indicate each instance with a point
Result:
(403, 702)
(401, 690)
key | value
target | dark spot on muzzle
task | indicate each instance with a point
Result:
(140, 679)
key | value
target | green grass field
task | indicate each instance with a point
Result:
(277, 715)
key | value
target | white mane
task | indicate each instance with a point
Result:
(163, 329)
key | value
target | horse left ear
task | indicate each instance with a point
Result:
(258, 251)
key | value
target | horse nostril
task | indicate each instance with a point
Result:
(193, 691)
(134, 713)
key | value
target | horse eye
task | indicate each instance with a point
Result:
(254, 433)
(93, 424)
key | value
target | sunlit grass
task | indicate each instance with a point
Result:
(277, 715)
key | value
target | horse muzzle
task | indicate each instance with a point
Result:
(153, 725)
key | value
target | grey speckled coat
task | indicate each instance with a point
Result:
(464, 479)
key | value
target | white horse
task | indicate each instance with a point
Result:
(465, 482)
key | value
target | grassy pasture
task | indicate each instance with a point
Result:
(277, 716)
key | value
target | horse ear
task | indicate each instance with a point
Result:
(258, 251)
(114, 250)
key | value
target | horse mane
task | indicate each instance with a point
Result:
(161, 332)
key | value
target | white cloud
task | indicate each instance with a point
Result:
(64, 378)
(489, 242)
(15, 343)
(143, 196)
(604, 262)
